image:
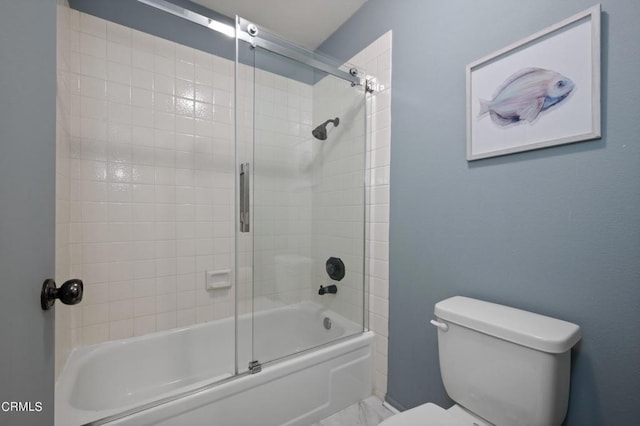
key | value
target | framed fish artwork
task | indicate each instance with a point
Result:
(536, 93)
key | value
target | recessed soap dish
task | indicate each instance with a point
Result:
(215, 280)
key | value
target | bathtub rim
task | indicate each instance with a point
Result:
(353, 334)
(304, 357)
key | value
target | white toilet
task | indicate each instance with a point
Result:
(502, 366)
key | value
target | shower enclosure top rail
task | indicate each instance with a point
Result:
(189, 15)
(250, 33)
(305, 57)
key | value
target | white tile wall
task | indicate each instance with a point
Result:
(377, 60)
(282, 190)
(339, 196)
(146, 184)
(63, 180)
(151, 181)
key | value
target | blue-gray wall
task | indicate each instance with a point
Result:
(555, 231)
(27, 205)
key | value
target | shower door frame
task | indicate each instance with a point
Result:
(259, 37)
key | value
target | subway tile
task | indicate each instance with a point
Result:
(144, 287)
(120, 53)
(185, 317)
(185, 54)
(121, 271)
(93, 66)
(120, 329)
(142, 212)
(94, 334)
(119, 172)
(91, 86)
(142, 136)
(163, 83)
(95, 273)
(185, 70)
(119, 192)
(144, 231)
(142, 41)
(144, 306)
(166, 320)
(119, 113)
(165, 303)
(121, 309)
(164, 66)
(117, 33)
(142, 78)
(166, 267)
(118, 73)
(163, 102)
(185, 300)
(203, 59)
(144, 325)
(203, 76)
(143, 193)
(120, 290)
(141, 97)
(185, 125)
(95, 314)
(141, 59)
(118, 92)
(184, 89)
(92, 25)
(143, 174)
(119, 212)
(119, 232)
(119, 133)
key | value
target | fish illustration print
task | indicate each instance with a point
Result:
(524, 95)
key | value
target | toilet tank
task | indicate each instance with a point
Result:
(508, 366)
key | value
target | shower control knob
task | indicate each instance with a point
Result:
(69, 293)
(335, 268)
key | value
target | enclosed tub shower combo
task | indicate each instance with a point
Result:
(229, 274)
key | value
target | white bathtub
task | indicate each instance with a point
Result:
(154, 371)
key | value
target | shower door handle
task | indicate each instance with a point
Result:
(244, 197)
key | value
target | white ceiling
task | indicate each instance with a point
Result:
(306, 22)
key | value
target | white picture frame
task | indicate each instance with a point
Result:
(539, 92)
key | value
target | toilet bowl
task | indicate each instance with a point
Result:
(502, 366)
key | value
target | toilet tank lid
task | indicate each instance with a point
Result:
(525, 328)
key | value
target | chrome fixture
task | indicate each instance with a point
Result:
(320, 132)
(249, 32)
(244, 198)
(255, 367)
(194, 17)
(326, 322)
(69, 293)
(252, 29)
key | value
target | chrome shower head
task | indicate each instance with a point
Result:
(320, 132)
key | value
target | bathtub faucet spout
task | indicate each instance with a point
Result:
(333, 289)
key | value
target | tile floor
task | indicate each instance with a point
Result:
(369, 412)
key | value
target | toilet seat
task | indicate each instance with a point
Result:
(433, 415)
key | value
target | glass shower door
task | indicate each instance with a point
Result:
(307, 207)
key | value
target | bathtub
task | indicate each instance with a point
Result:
(186, 376)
